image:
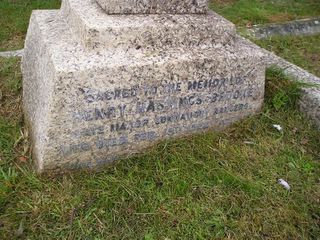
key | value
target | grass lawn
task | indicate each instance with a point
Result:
(302, 51)
(207, 186)
(14, 20)
(248, 12)
(15, 14)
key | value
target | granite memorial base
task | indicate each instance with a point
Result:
(153, 6)
(98, 87)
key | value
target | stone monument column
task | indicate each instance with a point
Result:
(105, 79)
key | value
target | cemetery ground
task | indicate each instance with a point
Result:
(250, 12)
(206, 186)
(302, 51)
(15, 14)
(212, 185)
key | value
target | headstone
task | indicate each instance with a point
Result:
(99, 86)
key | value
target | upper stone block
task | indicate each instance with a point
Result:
(154, 6)
(96, 30)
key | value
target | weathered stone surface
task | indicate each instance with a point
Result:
(301, 27)
(97, 30)
(85, 109)
(153, 6)
(309, 103)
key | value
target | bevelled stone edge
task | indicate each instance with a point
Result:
(36, 106)
(309, 103)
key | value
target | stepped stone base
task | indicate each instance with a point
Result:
(86, 107)
(153, 6)
(98, 30)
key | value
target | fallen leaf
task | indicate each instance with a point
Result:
(294, 130)
(249, 25)
(23, 159)
(175, 222)
(304, 141)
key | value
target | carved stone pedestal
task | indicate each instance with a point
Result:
(100, 86)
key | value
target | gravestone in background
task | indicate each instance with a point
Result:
(100, 86)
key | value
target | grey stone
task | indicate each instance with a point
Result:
(97, 30)
(8, 54)
(86, 107)
(303, 27)
(153, 6)
(309, 103)
(290, 69)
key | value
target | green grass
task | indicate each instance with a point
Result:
(15, 14)
(206, 186)
(243, 12)
(302, 51)
(14, 20)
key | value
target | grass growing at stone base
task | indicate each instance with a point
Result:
(15, 14)
(302, 51)
(248, 12)
(212, 185)
(14, 20)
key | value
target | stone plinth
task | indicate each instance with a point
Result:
(97, 30)
(154, 6)
(87, 106)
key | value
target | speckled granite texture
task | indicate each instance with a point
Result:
(86, 106)
(153, 6)
(97, 30)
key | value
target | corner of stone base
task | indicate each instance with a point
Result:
(309, 104)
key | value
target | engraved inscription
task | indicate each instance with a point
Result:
(126, 116)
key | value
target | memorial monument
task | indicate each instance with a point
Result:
(104, 79)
